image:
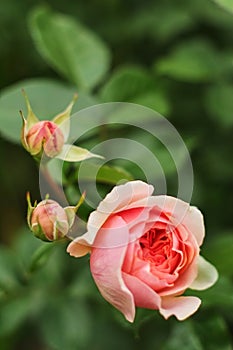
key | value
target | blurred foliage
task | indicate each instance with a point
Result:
(174, 57)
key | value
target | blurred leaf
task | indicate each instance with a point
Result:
(219, 296)
(213, 333)
(183, 336)
(135, 84)
(47, 97)
(156, 100)
(104, 174)
(69, 47)
(83, 286)
(66, 324)
(9, 270)
(194, 61)
(219, 103)
(25, 245)
(225, 4)
(41, 256)
(220, 253)
(12, 314)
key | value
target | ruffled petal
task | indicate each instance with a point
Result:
(207, 275)
(180, 307)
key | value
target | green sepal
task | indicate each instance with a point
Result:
(63, 118)
(71, 153)
(30, 209)
(31, 117)
(38, 232)
(71, 211)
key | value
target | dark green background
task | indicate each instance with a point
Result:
(175, 57)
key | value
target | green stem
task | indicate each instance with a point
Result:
(54, 189)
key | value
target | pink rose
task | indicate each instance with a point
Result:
(145, 251)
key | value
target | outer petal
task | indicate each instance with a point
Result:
(143, 295)
(122, 196)
(117, 200)
(77, 249)
(106, 267)
(181, 307)
(194, 222)
(71, 153)
(114, 233)
(207, 275)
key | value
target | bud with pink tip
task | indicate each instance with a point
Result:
(49, 221)
(49, 137)
(45, 136)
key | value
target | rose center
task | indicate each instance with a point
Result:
(156, 245)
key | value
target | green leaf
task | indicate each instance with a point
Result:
(199, 334)
(194, 61)
(183, 336)
(66, 323)
(41, 256)
(48, 98)
(220, 253)
(9, 270)
(12, 314)
(103, 174)
(69, 47)
(213, 333)
(219, 103)
(225, 4)
(135, 84)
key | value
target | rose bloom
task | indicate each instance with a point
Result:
(144, 251)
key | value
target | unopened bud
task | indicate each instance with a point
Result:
(45, 136)
(49, 221)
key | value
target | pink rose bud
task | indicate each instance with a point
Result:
(49, 221)
(45, 136)
(50, 137)
(145, 251)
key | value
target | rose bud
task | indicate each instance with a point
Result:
(49, 221)
(145, 251)
(50, 137)
(45, 136)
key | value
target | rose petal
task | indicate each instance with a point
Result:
(176, 208)
(194, 222)
(143, 295)
(117, 200)
(181, 307)
(106, 270)
(207, 275)
(78, 249)
(183, 282)
(114, 233)
(121, 196)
